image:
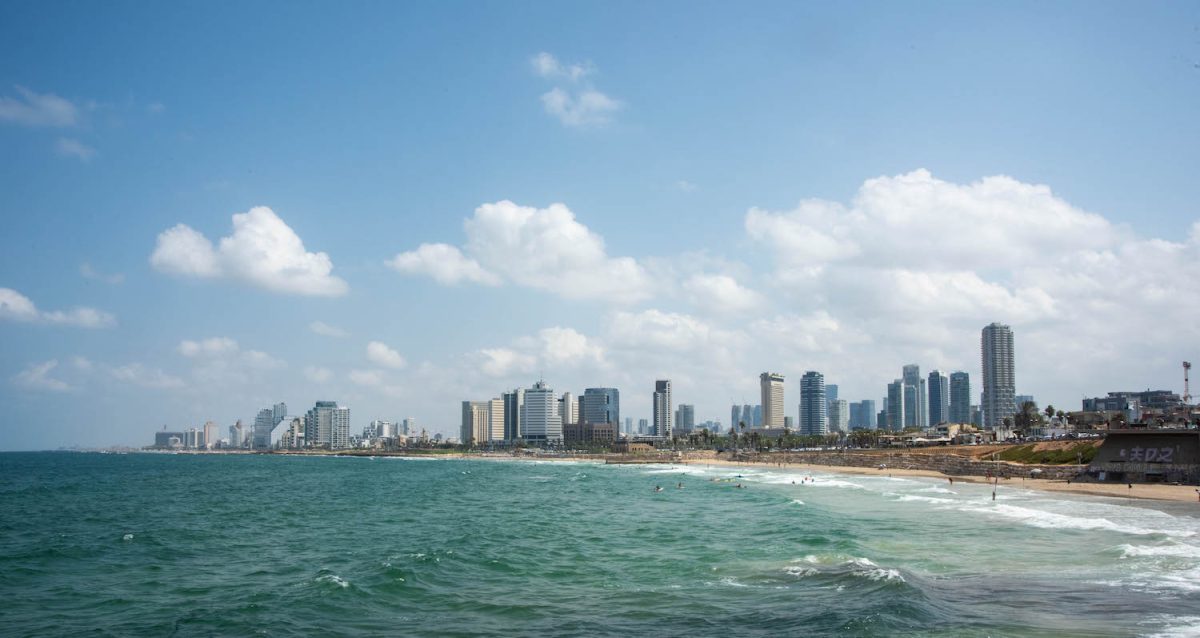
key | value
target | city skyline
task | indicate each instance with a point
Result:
(415, 221)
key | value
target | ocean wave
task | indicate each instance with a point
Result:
(937, 490)
(839, 565)
(924, 499)
(1053, 520)
(333, 579)
(797, 501)
(1178, 550)
(1177, 627)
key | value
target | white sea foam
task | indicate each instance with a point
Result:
(127, 537)
(858, 566)
(1177, 550)
(1177, 627)
(937, 490)
(1053, 520)
(798, 501)
(924, 499)
(334, 579)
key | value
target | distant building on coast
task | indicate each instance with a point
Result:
(540, 421)
(999, 375)
(600, 405)
(939, 397)
(960, 398)
(771, 388)
(895, 405)
(812, 404)
(662, 408)
(685, 418)
(327, 425)
(476, 416)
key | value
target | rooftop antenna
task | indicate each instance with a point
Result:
(1187, 393)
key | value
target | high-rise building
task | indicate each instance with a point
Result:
(685, 418)
(812, 404)
(895, 405)
(237, 435)
(495, 431)
(939, 397)
(476, 419)
(960, 398)
(212, 432)
(410, 426)
(758, 416)
(999, 375)
(831, 392)
(540, 420)
(601, 405)
(514, 405)
(771, 384)
(1022, 399)
(321, 423)
(340, 431)
(862, 415)
(643, 426)
(747, 416)
(566, 408)
(789, 423)
(662, 408)
(735, 414)
(839, 415)
(628, 425)
(915, 414)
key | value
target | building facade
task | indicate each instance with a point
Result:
(960, 398)
(939, 397)
(895, 405)
(999, 375)
(663, 417)
(601, 405)
(771, 387)
(540, 421)
(813, 416)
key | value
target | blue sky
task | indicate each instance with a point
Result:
(784, 186)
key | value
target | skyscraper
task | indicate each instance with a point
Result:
(771, 384)
(735, 415)
(758, 416)
(475, 418)
(960, 398)
(939, 397)
(662, 408)
(812, 404)
(318, 425)
(914, 403)
(628, 425)
(540, 420)
(514, 407)
(895, 405)
(999, 376)
(831, 392)
(496, 420)
(839, 415)
(747, 416)
(566, 409)
(601, 405)
(685, 418)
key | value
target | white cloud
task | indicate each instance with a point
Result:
(573, 102)
(444, 263)
(560, 347)
(211, 347)
(38, 109)
(37, 377)
(548, 66)
(86, 270)
(504, 362)
(82, 363)
(548, 249)
(721, 294)
(140, 375)
(379, 353)
(580, 109)
(317, 374)
(70, 147)
(326, 330)
(263, 251)
(17, 307)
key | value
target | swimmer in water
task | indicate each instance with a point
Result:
(680, 486)
(657, 488)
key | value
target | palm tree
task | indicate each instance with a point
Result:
(1027, 417)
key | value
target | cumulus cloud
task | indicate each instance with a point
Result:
(505, 362)
(70, 147)
(17, 307)
(721, 294)
(573, 102)
(326, 330)
(542, 248)
(29, 108)
(37, 377)
(262, 251)
(380, 354)
(211, 347)
(444, 263)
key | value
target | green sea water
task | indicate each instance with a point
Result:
(162, 545)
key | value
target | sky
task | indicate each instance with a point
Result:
(212, 207)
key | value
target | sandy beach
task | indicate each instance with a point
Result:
(1153, 491)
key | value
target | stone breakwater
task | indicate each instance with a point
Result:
(949, 464)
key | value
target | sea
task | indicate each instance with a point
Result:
(225, 545)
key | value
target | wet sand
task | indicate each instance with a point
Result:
(1154, 491)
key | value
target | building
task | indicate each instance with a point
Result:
(999, 375)
(1021, 399)
(643, 426)
(789, 423)
(960, 398)
(237, 435)
(939, 397)
(567, 408)
(771, 385)
(831, 392)
(915, 413)
(540, 421)
(685, 418)
(601, 405)
(264, 422)
(476, 420)
(747, 416)
(839, 415)
(212, 432)
(813, 419)
(604, 434)
(758, 416)
(629, 425)
(514, 407)
(410, 426)
(735, 414)
(327, 425)
(496, 420)
(895, 405)
(340, 432)
(292, 436)
(166, 440)
(661, 401)
(862, 415)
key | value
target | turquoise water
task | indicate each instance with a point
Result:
(295, 546)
